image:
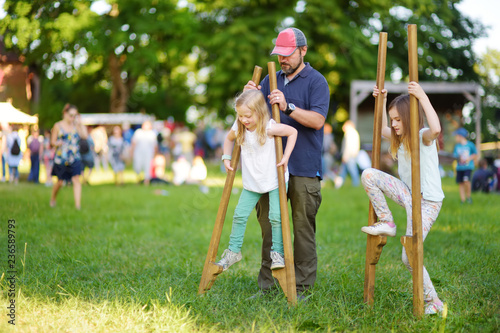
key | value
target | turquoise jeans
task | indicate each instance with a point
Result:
(245, 206)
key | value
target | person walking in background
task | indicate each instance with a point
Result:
(465, 153)
(3, 148)
(303, 97)
(484, 178)
(378, 183)
(65, 138)
(350, 151)
(87, 152)
(14, 154)
(23, 131)
(144, 148)
(255, 131)
(329, 151)
(116, 146)
(184, 142)
(48, 157)
(100, 138)
(127, 133)
(35, 146)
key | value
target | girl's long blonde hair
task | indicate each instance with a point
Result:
(254, 100)
(402, 105)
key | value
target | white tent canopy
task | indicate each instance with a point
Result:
(115, 118)
(9, 114)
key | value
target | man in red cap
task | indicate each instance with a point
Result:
(303, 97)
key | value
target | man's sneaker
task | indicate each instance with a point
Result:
(228, 259)
(259, 294)
(303, 296)
(433, 307)
(278, 260)
(380, 229)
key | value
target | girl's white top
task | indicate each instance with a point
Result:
(430, 177)
(258, 162)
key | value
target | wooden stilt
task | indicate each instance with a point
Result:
(286, 278)
(407, 242)
(375, 244)
(210, 269)
(417, 263)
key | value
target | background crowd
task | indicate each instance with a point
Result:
(150, 149)
(168, 152)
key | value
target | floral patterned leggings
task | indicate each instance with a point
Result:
(378, 183)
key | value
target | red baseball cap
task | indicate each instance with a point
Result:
(288, 41)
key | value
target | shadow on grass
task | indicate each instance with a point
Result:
(144, 253)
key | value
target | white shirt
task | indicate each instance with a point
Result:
(258, 162)
(145, 144)
(350, 144)
(430, 177)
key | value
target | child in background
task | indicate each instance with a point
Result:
(255, 131)
(35, 145)
(378, 183)
(484, 178)
(116, 145)
(465, 152)
(14, 153)
(48, 158)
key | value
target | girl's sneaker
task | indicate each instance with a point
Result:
(380, 229)
(228, 259)
(278, 260)
(433, 307)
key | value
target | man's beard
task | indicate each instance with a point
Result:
(291, 69)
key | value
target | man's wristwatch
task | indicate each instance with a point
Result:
(289, 109)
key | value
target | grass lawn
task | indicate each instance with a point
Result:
(131, 261)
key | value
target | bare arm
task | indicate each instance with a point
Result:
(386, 129)
(291, 134)
(40, 153)
(307, 118)
(432, 118)
(228, 149)
(82, 130)
(3, 146)
(53, 136)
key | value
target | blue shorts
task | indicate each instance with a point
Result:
(87, 160)
(66, 172)
(463, 176)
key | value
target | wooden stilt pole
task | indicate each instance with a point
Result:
(417, 252)
(375, 244)
(286, 276)
(211, 270)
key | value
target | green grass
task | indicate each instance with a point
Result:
(131, 261)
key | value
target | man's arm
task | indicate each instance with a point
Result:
(308, 118)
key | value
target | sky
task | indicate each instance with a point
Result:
(486, 11)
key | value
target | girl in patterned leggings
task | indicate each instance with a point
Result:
(377, 183)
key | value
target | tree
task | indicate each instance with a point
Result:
(488, 68)
(41, 33)
(134, 51)
(142, 43)
(164, 56)
(237, 36)
(343, 41)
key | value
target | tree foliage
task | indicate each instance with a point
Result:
(343, 40)
(488, 68)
